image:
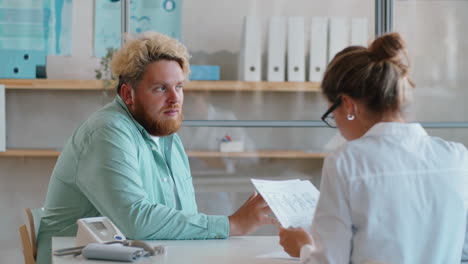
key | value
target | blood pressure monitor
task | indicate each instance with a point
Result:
(97, 230)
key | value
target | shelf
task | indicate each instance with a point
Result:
(30, 153)
(252, 86)
(275, 154)
(47, 84)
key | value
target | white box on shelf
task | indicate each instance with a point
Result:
(359, 31)
(276, 49)
(339, 36)
(251, 50)
(231, 146)
(296, 49)
(318, 48)
(2, 119)
(83, 67)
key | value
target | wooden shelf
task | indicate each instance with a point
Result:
(30, 153)
(47, 84)
(252, 86)
(274, 154)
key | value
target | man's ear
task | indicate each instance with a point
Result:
(127, 93)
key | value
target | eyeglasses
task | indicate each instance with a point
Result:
(328, 117)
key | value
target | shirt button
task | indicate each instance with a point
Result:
(164, 179)
(153, 148)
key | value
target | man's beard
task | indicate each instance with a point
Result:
(156, 126)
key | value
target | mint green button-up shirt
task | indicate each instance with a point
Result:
(112, 167)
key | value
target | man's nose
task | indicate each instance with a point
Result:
(174, 95)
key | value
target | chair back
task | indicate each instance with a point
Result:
(27, 247)
(34, 220)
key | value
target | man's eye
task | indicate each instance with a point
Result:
(179, 87)
(160, 89)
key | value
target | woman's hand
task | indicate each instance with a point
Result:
(292, 240)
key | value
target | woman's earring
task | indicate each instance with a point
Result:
(350, 117)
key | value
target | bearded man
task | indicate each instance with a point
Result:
(127, 163)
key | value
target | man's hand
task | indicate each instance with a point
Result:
(292, 240)
(250, 216)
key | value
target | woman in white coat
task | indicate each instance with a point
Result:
(392, 193)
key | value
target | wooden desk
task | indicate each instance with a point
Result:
(235, 250)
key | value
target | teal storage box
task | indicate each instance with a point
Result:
(20, 64)
(204, 72)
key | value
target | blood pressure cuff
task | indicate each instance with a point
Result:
(113, 252)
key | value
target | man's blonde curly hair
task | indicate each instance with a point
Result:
(129, 63)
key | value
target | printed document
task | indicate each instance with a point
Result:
(292, 201)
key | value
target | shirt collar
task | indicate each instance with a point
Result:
(395, 129)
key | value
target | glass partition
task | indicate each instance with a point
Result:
(437, 38)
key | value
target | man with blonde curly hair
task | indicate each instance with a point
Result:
(127, 163)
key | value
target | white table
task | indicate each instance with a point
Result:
(238, 250)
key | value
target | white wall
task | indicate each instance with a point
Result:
(23, 183)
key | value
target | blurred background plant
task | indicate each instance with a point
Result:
(104, 71)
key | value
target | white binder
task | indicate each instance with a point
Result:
(318, 48)
(276, 49)
(251, 52)
(359, 31)
(339, 36)
(296, 49)
(2, 119)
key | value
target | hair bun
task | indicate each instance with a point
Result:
(387, 47)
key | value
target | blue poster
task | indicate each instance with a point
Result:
(164, 16)
(107, 30)
(43, 25)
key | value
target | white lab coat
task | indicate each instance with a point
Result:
(395, 195)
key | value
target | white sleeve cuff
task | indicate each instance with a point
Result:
(305, 253)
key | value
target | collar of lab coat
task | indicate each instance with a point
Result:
(395, 129)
